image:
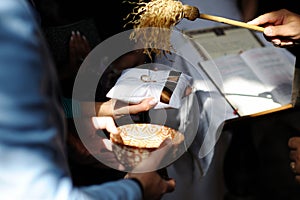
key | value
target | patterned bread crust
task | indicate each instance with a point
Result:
(136, 142)
(145, 135)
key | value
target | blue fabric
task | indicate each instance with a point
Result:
(71, 108)
(32, 153)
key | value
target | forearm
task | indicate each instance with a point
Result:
(33, 176)
(33, 162)
(74, 108)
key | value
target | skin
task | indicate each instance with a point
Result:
(113, 109)
(151, 179)
(154, 186)
(282, 27)
(294, 144)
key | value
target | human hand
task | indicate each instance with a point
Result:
(282, 27)
(96, 146)
(117, 109)
(294, 144)
(106, 123)
(79, 48)
(154, 186)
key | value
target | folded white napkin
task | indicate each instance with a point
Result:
(168, 87)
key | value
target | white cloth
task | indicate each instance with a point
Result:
(213, 109)
(197, 170)
(136, 84)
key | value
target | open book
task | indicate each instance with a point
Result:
(256, 80)
(252, 78)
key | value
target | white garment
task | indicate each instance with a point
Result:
(200, 179)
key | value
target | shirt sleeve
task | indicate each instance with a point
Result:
(32, 154)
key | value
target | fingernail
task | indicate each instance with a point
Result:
(276, 41)
(268, 31)
(114, 130)
(84, 37)
(77, 32)
(73, 33)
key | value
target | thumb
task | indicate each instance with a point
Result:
(144, 105)
(170, 185)
(105, 123)
(278, 30)
(155, 158)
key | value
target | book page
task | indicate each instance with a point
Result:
(223, 41)
(233, 76)
(239, 84)
(274, 69)
(253, 78)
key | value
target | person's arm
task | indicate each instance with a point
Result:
(33, 162)
(282, 27)
(107, 111)
(294, 144)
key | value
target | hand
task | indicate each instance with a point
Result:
(90, 124)
(114, 109)
(98, 147)
(106, 123)
(91, 146)
(294, 144)
(154, 186)
(282, 27)
(117, 109)
(79, 48)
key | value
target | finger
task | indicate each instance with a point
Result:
(261, 20)
(105, 123)
(170, 185)
(293, 166)
(153, 162)
(145, 105)
(286, 43)
(108, 144)
(276, 42)
(272, 31)
(267, 18)
(85, 45)
(166, 142)
(293, 155)
(82, 45)
(294, 142)
(124, 109)
(297, 178)
(79, 51)
(79, 45)
(188, 91)
(111, 159)
(72, 44)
